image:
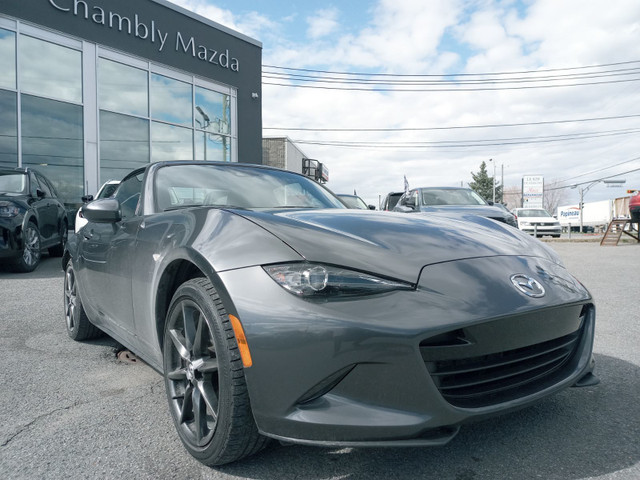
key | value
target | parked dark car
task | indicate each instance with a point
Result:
(354, 201)
(454, 201)
(274, 312)
(31, 218)
(391, 200)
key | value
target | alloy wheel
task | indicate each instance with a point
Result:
(192, 373)
(31, 253)
(70, 298)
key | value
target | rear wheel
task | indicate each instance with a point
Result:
(78, 325)
(30, 258)
(204, 378)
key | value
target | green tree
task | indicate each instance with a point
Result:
(483, 184)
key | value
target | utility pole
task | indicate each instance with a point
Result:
(494, 180)
(502, 183)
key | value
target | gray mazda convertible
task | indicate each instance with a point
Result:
(274, 312)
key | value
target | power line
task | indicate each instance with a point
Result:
(421, 129)
(415, 90)
(479, 81)
(596, 180)
(455, 74)
(599, 169)
(513, 80)
(468, 143)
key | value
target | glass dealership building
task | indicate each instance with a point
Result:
(90, 89)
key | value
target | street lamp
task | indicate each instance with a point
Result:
(588, 187)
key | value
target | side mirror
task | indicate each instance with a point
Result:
(371, 207)
(489, 202)
(87, 198)
(105, 210)
(40, 193)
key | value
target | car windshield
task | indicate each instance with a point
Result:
(353, 201)
(451, 196)
(533, 213)
(13, 182)
(178, 186)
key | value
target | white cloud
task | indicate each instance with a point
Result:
(409, 36)
(323, 23)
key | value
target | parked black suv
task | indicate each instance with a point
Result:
(31, 218)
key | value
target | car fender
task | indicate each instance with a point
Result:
(194, 243)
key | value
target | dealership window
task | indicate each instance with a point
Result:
(50, 70)
(51, 113)
(123, 100)
(83, 114)
(212, 119)
(8, 100)
(7, 59)
(52, 143)
(124, 144)
(169, 142)
(122, 88)
(185, 119)
(171, 100)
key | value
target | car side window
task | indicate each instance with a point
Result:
(128, 195)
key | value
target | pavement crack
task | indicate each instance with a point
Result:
(26, 426)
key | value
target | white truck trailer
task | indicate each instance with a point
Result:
(595, 216)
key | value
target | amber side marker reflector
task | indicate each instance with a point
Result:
(243, 346)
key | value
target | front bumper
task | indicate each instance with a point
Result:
(542, 229)
(10, 237)
(408, 368)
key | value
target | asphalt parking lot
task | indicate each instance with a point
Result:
(73, 410)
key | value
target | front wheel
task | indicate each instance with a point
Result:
(29, 260)
(204, 378)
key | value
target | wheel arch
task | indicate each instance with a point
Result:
(177, 272)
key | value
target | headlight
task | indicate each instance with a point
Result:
(315, 280)
(8, 209)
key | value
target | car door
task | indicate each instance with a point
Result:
(46, 207)
(106, 252)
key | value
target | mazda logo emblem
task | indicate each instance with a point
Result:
(527, 285)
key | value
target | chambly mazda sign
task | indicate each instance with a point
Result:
(274, 312)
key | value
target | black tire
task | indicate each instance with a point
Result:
(78, 325)
(31, 254)
(58, 250)
(204, 378)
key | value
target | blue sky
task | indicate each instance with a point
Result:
(577, 118)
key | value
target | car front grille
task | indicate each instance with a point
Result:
(543, 224)
(494, 378)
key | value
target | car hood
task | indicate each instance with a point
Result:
(396, 245)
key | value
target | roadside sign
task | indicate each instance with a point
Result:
(532, 191)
